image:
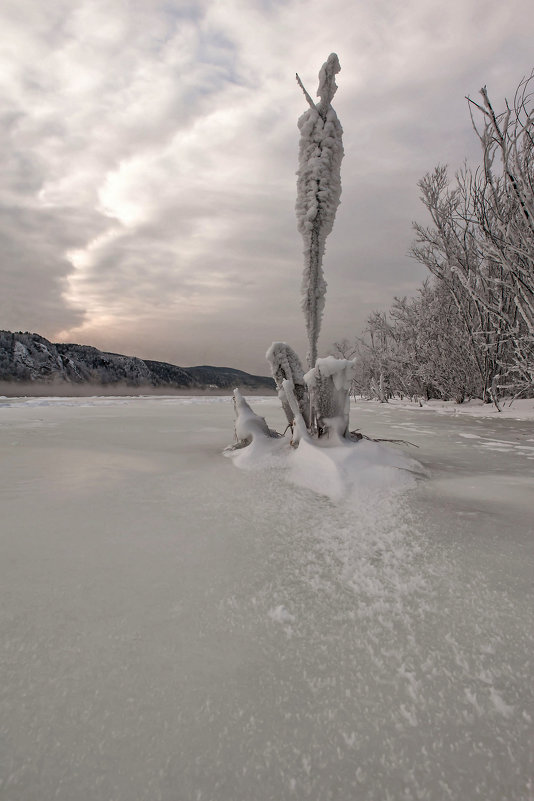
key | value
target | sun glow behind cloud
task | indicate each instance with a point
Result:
(151, 151)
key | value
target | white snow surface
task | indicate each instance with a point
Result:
(335, 468)
(173, 628)
(518, 409)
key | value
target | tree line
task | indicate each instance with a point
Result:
(469, 332)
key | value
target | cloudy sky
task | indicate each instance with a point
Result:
(149, 152)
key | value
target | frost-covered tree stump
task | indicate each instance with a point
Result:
(315, 402)
(329, 386)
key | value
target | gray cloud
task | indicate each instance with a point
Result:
(150, 152)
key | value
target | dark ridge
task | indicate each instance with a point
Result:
(31, 359)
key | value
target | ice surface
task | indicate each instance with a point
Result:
(518, 409)
(177, 629)
(344, 470)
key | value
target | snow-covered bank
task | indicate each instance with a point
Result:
(174, 628)
(518, 409)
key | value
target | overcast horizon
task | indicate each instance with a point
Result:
(150, 156)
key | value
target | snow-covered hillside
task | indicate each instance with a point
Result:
(31, 362)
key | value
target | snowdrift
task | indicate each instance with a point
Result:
(335, 466)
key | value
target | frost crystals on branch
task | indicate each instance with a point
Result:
(318, 193)
(286, 366)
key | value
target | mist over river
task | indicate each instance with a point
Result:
(176, 629)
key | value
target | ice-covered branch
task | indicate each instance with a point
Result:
(248, 424)
(318, 194)
(286, 366)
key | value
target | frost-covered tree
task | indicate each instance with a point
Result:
(469, 332)
(480, 244)
(449, 250)
(418, 349)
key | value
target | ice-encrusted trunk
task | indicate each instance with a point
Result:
(286, 366)
(318, 193)
(321, 449)
(329, 383)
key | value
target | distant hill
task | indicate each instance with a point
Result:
(30, 358)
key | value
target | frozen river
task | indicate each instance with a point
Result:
(176, 629)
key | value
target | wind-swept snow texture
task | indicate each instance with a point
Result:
(318, 194)
(174, 629)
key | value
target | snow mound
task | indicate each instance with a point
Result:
(352, 468)
(338, 471)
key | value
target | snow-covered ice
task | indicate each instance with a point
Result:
(513, 409)
(177, 629)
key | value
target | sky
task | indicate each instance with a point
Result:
(149, 152)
